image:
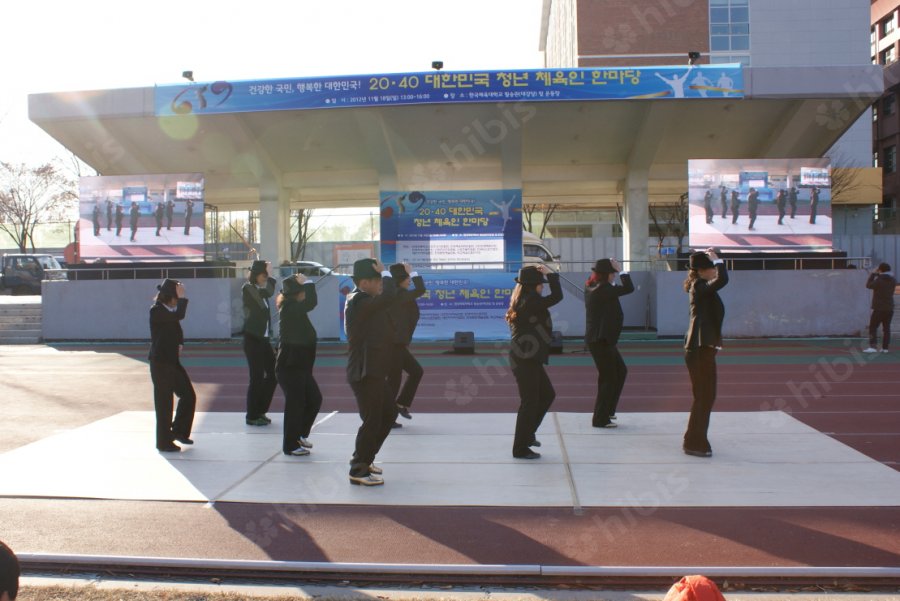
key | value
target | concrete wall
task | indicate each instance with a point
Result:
(774, 303)
(119, 309)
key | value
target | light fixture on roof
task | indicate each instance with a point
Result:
(188, 75)
(437, 65)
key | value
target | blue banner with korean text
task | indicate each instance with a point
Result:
(468, 229)
(457, 301)
(342, 91)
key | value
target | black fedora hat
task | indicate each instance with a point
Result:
(700, 260)
(364, 269)
(258, 267)
(604, 266)
(290, 286)
(398, 272)
(530, 276)
(169, 287)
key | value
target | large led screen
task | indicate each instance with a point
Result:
(141, 217)
(756, 204)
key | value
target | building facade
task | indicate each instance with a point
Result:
(885, 36)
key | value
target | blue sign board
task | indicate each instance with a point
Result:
(480, 229)
(536, 85)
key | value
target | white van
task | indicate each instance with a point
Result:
(535, 252)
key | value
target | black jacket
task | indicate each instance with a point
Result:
(369, 332)
(603, 311)
(707, 311)
(882, 286)
(297, 347)
(405, 312)
(256, 311)
(165, 331)
(532, 328)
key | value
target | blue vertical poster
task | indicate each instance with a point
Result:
(460, 229)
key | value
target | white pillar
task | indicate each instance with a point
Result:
(636, 219)
(274, 225)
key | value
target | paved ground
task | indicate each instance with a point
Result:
(827, 385)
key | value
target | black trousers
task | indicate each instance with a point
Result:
(378, 412)
(701, 365)
(403, 361)
(735, 213)
(536, 394)
(611, 374)
(813, 213)
(709, 213)
(302, 402)
(724, 209)
(883, 319)
(187, 225)
(752, 220)
(261, 361)
(169, 379)
(793, 210)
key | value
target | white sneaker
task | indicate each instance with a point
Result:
(300, 452)
(884, 350)
(870, 350)
(370, 480)
(374, 469)
(304, 442)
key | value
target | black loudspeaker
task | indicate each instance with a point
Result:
(556, 343)
(464, 343)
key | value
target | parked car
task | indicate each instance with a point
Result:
(535, 252)
(310, 269)
(23, 273)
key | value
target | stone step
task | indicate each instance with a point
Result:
(8, 328)
(15, 311)
(20, 339)
(20, 318)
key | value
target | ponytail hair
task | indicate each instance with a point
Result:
(692, 277)
(513, 302)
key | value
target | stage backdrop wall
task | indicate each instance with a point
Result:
(775, 303)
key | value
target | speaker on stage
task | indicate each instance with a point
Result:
(464, 343)
(556, 343)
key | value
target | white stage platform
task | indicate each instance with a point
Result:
(761, 459)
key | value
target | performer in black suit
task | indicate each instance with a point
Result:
(369, 343)
(170, 213)
(531, 330)
(792, 199)
(158, 214)
(752, 205)
(120, 215)
(707, 205)
(735, 206)
(604, 318)
(188, 213)
(723, 198)
(294, 364)
(134, 217)
(109, 215)
(781, 203)
(168, 375)
(882, 284)
(257, 348)
(96, 219)
(706, 277)
(813, 204)
(405, 316)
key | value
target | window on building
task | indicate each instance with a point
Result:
(875, 159)
(890, 159)
(889, 104)
(729, 28)
(872, 37)
(888, 55)
(887, 26)
(874, 113)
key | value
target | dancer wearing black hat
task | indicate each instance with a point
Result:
(257, 348)
(294, 363)
(369, 342)
(405, 316)
(735, 206)
(531, 330)
(702, 341)
(604, 319)
(134, 217)
(168, 375)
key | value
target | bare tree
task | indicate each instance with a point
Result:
(301, 233)
(30, 196)
(528, 211)
(671, 220)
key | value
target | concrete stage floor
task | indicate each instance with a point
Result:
(806, 435)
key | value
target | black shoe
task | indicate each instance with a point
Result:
(169, 448)
(183, 439)
(529, 455)
(396, 425)
(694, 453)
(404, 411)
(258, 421)
(535, 443)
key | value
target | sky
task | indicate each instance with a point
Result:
(59, 45)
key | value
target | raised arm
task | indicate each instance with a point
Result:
(163, 315)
